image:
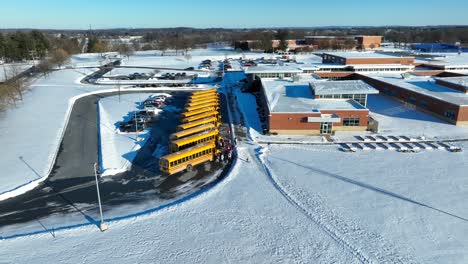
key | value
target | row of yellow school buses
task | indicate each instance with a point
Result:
(196, 137)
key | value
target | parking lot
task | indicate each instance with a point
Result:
(70, 189)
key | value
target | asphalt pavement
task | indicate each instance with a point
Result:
(71, 185)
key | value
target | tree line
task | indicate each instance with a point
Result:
(46, 51)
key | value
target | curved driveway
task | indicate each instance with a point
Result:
(71, 187)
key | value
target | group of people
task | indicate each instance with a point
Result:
(226, 148)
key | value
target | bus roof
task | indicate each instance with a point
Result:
(205, 91)
(215, 100)
(204, 97)
(198, 122)
(200, 116)
(191, 131)
(203, 94)
(188, 151)
(198, 111)
(211, 104)
(195, 137)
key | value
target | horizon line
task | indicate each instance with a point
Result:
(231, 28)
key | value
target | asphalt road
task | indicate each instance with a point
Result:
(71, 185)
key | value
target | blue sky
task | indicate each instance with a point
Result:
(79, 14)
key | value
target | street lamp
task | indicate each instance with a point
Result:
(102, 225)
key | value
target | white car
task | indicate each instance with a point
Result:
(151, 108)
(161, 98)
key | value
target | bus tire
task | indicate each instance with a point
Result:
(189, 168)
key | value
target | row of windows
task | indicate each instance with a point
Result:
(351, 121)
(360, 70)
(456, 68)
(195, 118)
(191, 125)
(274, 75)
(191, 157)
(193, 143)
(360, 98)
(382, 70)
(450, 114)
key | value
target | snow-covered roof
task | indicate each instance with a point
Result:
(273, 69)
(446, 60)
(355, 66)
(342, 87)
(426, 85)
(296, 97)
(460, 81)
(365, 54)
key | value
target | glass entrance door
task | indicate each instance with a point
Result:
(326, 127)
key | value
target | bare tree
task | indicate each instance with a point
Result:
(16, 82)
(188, 57)
(44, 67)
(125, 50)
(59, 57)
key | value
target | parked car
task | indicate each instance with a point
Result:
(130, 126)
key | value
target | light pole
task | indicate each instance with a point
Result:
(102, 225)
(136, 126)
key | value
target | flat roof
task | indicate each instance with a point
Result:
(364, 55)
(273, 69)
(461, 81)
(426, 85)
(354, 66)
(296, 97)
(342, 87)
(447, 60)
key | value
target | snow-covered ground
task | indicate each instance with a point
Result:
(397, 119)
(30, 132)
(91, 59)
(286, 203)
(10, 70)
(391, 206)
(241, 220)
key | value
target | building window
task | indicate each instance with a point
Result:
(450, 114)
(351, 121)
(360, 98)
(424, 104)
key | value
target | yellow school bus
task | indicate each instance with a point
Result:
(189, 132)
(187, 142)
(215, 105)
(188, 158)
(209, 120)
(204, 92)
(202, 98)
(202, 102)
(201, 116)
(197, 112)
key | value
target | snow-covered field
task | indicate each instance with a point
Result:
(390, 206)
(280, 203)
(30, 132)
(242, 220)
(10, 70)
